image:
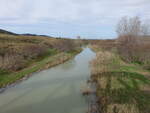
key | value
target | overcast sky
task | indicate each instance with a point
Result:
(69, 18)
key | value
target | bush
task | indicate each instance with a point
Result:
(133, 45)
(12, 61)
(64, 45)
(15, 57)
(33, 51)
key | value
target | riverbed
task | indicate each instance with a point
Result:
(55, 90)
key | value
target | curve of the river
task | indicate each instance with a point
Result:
(56, 90)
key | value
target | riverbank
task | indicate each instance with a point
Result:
(46, 91)
(7, 79)
(21, 55)
(121, 87)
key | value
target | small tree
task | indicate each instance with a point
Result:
(133, 27)
(78, 37)
(79, 41)
(131, 46)
(129, 26)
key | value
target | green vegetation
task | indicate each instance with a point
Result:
(8, 78)
(121, 87)
(133, 41)
(21, 55)
(121, 70)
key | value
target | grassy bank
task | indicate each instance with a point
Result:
(8, 78)
(120, 87)
(21, 55)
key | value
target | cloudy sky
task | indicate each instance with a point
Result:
(69, 18)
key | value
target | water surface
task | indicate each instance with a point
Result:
(56, 90)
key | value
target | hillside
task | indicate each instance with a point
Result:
(6, 32)
(18, 52)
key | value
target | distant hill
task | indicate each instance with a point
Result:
(26, 34)
(7, 32)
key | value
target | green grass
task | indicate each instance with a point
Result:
(3, 72)
(74, 52)
(123, 88)
(50, 52)
(11, 77)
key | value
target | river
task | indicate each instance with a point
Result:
(56, 90)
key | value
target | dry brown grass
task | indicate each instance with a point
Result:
(22, 55)
(134, 50)
(14, 56)
(103, 44)
(103, 62)
(16, 52)
(118, 91)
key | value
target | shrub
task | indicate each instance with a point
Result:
(12, 61)
(14, 57)
(64, 45)
(132, 46)
(33, 51)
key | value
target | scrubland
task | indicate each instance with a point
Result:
(121, 71)
(21, 55)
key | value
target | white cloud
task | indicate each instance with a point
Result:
(69, 10)
(82, 12)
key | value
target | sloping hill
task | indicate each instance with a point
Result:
(7, 32)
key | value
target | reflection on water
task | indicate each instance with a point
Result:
(56, 90)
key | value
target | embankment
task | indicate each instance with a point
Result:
(12, 78)
(120, 87)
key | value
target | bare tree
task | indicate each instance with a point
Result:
(79, 41)
(130, 44)
(133, 27)
(128, 29)
(122, 27)
(129, 26)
